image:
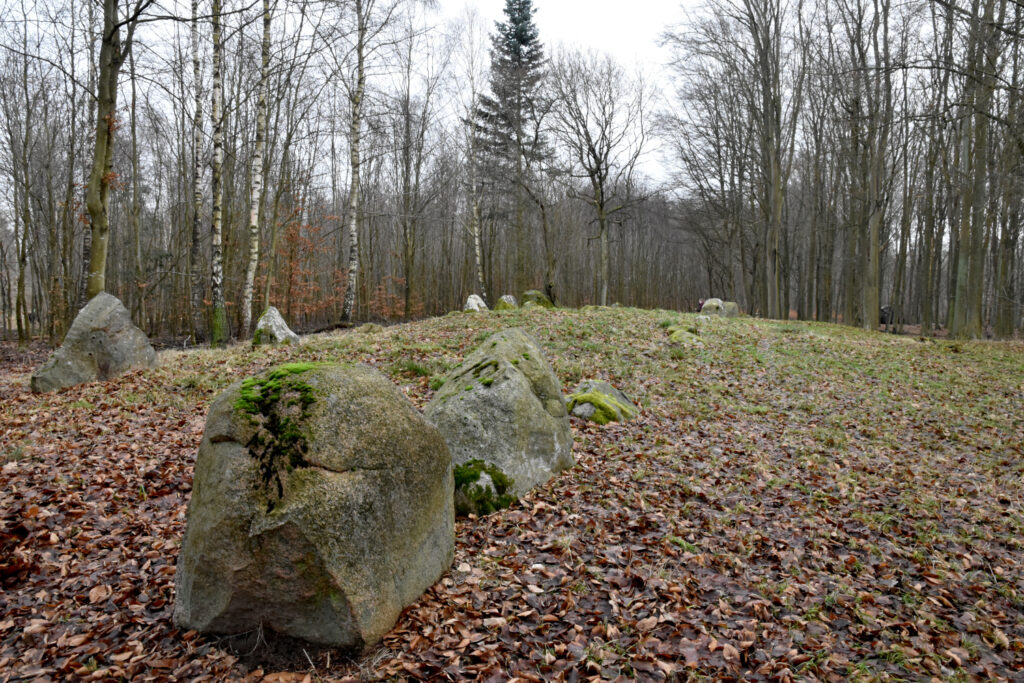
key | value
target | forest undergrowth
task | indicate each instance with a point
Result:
(795, 501)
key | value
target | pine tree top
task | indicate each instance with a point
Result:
(516, 41)
(507, 121)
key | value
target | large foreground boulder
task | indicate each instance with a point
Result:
(321, 507)
(504, 406)
(102, 343)
(272, 329)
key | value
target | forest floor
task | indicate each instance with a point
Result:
(795, 501)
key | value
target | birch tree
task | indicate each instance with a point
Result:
(256, 188)
(372, 18)
(471, 73)
(219, 318)
(195, 251)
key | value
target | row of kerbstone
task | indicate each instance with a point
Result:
(531, 298)
(103, 343)
(323, 502)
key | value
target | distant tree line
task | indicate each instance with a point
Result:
(842, 156)
(353, 159)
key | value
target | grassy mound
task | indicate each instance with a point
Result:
(800, 497)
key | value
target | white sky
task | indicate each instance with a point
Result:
(628, 29)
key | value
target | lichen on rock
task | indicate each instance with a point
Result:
(474, 304)
(506, 303)
(101, 344)
(504, 405)
(272, 329)
(685, 335)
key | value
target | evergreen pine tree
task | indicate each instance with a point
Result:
(507, 121)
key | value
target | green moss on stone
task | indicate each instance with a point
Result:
(277, 403)
(684, 334)
(256, 393)
(536, 298)
(470, 497)
(606, 408)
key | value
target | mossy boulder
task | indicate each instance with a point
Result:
(504, 406)
(271, 329)
(711, 307)
(537, 298)
(600, 402)
(101, 344)
(506, 303)
(321, 507)
(685, 335)
(481, 489)
(721, 309)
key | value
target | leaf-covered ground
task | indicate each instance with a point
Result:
(796, 501)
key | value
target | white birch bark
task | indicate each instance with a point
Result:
(219, 322)
(257, 176)
(195, 252)
(355, 130)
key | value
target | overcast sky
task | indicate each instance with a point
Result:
(628, 29)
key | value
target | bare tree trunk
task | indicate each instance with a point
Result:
(257, 177)
(195, 249)
(1010, 218)
(603, 238)
(474, 224)
(20, 303)
(355, 130)
(97, 197)
(61, 312)
(219, 320)
(83, 286)
(139, 290)
(982, 53)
